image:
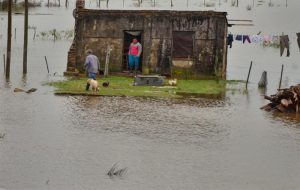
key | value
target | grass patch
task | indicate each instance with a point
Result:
(123, 86)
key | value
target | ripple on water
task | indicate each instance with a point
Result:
(182, 120)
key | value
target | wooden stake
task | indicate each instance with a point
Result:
(47, 64)
(4, 63)
(9, 26)
(15, 33)
(107, 61)
(34, 33)
(54, 35)
(25, 38)
(280, 77)
(248, 75)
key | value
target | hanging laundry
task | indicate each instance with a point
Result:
(239, 38)
(229, 40)
(256, 38)
(298, 39)
(246, 37)
(284, 43)
(267, 39)
(276, 40)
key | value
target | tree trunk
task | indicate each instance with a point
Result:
(9, 26)
(25, 38)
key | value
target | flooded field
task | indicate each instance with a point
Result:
(56, 142)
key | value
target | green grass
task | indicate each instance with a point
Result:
(123, 86)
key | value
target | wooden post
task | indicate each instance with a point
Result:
(106, 68)
(107, 3)
(48, 3)
(66, 3)
(34, 33)
(248, 75)
(25, 38)
(4, 63)
(47, 64)
(280, 77)
(15, 33)
(54, 34)
(8, 58)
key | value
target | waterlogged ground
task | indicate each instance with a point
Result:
(54, 142)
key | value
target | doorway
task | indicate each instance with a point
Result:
(129, 35)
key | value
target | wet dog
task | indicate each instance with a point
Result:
(94, 84)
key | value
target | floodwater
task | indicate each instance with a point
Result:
(55, 142)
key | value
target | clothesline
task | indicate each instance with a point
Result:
(281, 41)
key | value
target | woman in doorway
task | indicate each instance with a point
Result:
(135, 51)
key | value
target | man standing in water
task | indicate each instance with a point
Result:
(91, 65)
(135, 51)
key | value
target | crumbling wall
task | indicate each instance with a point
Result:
(98, 29)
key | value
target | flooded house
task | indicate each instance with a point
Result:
(189, 44)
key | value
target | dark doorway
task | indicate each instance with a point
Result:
(129, 35)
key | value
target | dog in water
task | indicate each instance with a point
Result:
(94, 84)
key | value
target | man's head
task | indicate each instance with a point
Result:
(89, 51)
(135, 41)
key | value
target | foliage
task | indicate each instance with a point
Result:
(56, 35)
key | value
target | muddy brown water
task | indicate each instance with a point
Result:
(67, 142)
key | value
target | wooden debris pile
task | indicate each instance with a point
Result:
(285, 100)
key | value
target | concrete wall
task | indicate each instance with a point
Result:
(96, 29)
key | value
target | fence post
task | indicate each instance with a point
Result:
(248, 75)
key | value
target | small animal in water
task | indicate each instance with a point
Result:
(27, 91)
(173, 82)
(116, 172)
(105, 84)
(2, 135)
(94, 84)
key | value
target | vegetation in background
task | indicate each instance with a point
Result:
(56, 35)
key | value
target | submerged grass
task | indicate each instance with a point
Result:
(123, 86)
